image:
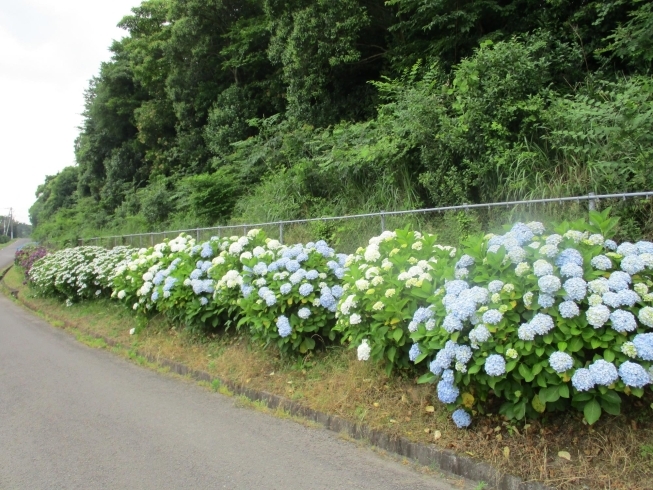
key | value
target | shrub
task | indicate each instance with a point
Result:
(77, 273)
(27, 255)
(383, 287)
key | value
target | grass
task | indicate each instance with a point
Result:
(616, 453)
(3, 245)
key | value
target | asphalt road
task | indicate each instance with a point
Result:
(72, 417)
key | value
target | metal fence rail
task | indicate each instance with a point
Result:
(278, 228)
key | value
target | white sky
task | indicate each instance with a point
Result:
(49, 49)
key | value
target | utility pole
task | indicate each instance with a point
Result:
(11, 222)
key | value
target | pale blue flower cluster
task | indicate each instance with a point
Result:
(603, 373)
(492, 317)
(601, 262)
(623, 321)
(549, 284)
(576, 288)
(461, 418)
(582, 380)
(545, 300)
(568, 309)
(414, 352)
(283, 326)
(644, 345)
(495, 365)
(634, 375)
(561, 362)
(304, 313)
(571, 270)
(569, 256)
(305, 289)
(495, 286)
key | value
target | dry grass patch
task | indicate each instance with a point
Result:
(616, 453)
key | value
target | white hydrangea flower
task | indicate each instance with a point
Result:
(364, 350)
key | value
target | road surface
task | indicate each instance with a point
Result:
(72, 417)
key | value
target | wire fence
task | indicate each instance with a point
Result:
(351, 231)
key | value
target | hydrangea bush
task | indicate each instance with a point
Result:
(77, 273)
(290, 294)
(541, 322)
(384, 285)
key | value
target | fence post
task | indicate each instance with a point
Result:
(281, 233)
(382, 221)
(197, 235)
(244, 231)
(152, 239)
(592, 202)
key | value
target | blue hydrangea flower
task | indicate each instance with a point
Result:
(576, 288)
(612, 299)
(542, 323)
(455, 287)
(626, 249)
(246, 289)
(495, 365)
(304, 313)
(492, 317)
(283, 326)
(495, 286)
(206, 266)
(526, 332)
(263, 292)
(623, 321)
(196, 274)
(270, 299)
(158, 278)
(337, 291)
(549, 284)
(451, 323)
(628, 297)
(442, 361)
(632, 264)
(569, 256)
(644, 247)
(333, 265)
(207, 251)
(463, 354)
(327, 301)
(561, 362)
(447, 392)
(204, 301)
(479, 334)
(301, 257)
(522, 232)
(618, 280)
(292, 266)
(312, 275)
(603, 373)
(545, 300)
(516, 255)
(422, 315)
(571, 270)
(260, 269)
(305, 289)
(155, 295)
(582, 380)
(414, 352)
(447, 376)
(601, 262)
(339, 273)
(568, 309)
(542, 268)
(464, 262)
(644, 345)
(632, 374)
(461, 418)
(478, 294)
(285, 288)
(610, 245)
(597, 315)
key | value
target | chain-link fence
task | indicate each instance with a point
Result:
(450, 223)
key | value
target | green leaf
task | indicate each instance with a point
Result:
(562, 346)
(575, 344)
(397, 334)
(592, 411)
(526, 373)
(564, 391)
(550, 394)
(426, 378)
(609, 356)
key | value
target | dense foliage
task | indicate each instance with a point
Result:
(219, 110)
(520, 323)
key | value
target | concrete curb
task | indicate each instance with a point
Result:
(447, 461)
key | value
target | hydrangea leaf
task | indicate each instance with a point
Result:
(592, 411)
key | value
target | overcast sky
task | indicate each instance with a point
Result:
(49, 49)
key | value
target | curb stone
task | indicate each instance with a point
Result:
(447, 461)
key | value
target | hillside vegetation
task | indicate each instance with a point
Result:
(218, 111)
